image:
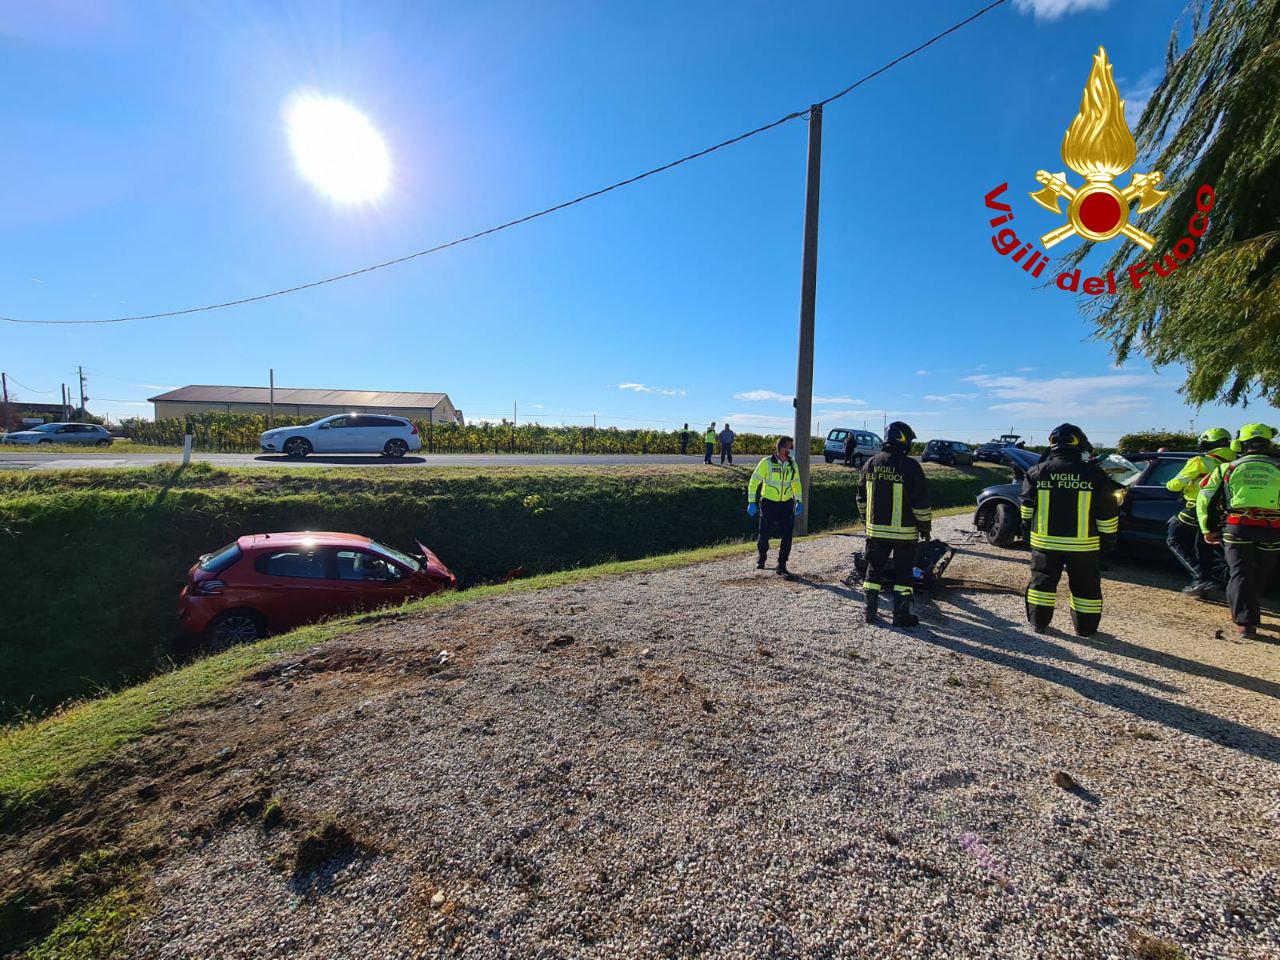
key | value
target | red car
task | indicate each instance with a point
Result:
(269, 582)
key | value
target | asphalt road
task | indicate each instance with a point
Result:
(61, 461)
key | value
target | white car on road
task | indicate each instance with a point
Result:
(345, 433)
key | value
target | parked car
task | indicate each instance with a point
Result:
(267, 582)
(89, 434)
(1144, 511)
(993, 450)
(345, 433)
(851, 446)
(953, 453)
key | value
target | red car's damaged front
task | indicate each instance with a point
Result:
(265, 583)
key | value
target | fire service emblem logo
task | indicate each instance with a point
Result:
(1099, 147)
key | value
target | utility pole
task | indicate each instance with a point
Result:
(83, 399)
(271, 398)
(808, 299)
(4, 382)
(514, 412)
(66, 403)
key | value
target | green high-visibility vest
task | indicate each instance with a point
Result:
(710, 437)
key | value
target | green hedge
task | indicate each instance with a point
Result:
(95, 559)
(1155, 439)
(238, 433)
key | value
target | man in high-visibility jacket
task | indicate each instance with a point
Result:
(1185, 541)
(894, 501)
(1070, 513)
(709, 438)
(1239, 506)
(774, 493)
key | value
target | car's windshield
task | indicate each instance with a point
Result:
(401, 558)
(46, 428)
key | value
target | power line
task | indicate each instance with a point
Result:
(541, 213)
(13, 379)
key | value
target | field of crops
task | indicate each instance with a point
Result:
(94, 559)
(238, 433)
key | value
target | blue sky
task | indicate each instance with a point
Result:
(146, 168)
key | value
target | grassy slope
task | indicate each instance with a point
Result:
(115, 545)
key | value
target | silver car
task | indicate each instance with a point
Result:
(851, 446)
(82, 433)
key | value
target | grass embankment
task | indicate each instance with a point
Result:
(94, 559)
(16, 451)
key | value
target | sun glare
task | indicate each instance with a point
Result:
(337, 148)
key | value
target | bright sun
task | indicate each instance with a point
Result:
(337, 148)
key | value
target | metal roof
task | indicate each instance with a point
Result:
(292, 396)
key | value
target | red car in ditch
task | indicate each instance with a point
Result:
(267, 582)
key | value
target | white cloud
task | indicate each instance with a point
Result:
(1136, 94)
(1066, 397)
(755, 395)
(922, 373)
(1053, 9)
(854, 401)
(949, 397)
(761, 421)
(646, 388)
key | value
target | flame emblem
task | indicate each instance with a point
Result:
(1099, 147)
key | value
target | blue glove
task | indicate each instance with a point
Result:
(751, 509)
(799, 508)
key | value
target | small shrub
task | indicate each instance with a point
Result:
(329, 844)
(1147, 947)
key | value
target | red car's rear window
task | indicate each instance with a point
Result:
(221, 559)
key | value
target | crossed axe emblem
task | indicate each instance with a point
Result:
(1105, 208)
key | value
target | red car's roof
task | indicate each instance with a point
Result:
(300, 538)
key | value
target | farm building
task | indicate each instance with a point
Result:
(295, 402)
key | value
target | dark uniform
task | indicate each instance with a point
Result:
(1070, 512)
(894, 502)
(1240, 501)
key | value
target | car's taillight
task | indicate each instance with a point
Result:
(413, 427)
(208, 587)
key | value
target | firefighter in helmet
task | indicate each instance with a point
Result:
(1239, 507)
(894, 502)
(1070, 511)
(1185, 541)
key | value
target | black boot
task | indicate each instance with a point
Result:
(902, 615)
(873, 603)
(785, 573)
(760, 562)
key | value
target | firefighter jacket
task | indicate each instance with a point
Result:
(775, 479)
(1069, 505)
(1242, 498)
(893, 497)
(1188, 480)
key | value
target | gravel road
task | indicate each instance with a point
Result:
(712, 762)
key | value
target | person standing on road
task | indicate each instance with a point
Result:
(726, 437)
(1070, 514)
(1239, 507)
(1185, 541)
(893, 499)
(684, 440)
(774, 492)
(709, 439)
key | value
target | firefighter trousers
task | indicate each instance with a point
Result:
(1084, 577)
(780, 516)
(1251, 565)
(889, 561)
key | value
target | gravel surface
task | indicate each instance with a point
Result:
(712, 762)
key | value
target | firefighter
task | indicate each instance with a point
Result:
(1239, 507)
(709, 439)
(1070, 514)
(774, 492)
(1185, 541)
(894, 502)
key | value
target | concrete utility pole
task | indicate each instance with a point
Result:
(808, 299)
(66, 403)
(84, 401)
(4, 382)
(271, 398)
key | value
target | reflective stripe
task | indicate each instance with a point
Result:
(895, 518)
(1026, 510)
(1066, 544)
(1084, 502)
(897, 588)
(1042, 512)
(1113, 525)
(924, 516)
(881, 532)
(1041, 598)
(868, 585)
(1083, 605)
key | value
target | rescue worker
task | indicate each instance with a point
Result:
(894, 501)
(709, 438)
(1184, 539)
(726, 437)
(684, 440)
(774, 492)
(1070, 514)
(1239, 506)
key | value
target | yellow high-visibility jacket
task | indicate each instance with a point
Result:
(1187, 482)
(774, 479)
(710, 437)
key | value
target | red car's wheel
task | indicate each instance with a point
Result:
(235, 627)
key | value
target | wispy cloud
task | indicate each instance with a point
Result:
(948, 397)
(853, 401)
(757, 395)
(1137, 93)
(649, 388)
(1053, 9)
(922, 373)
(1066, 396)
